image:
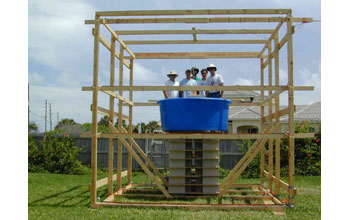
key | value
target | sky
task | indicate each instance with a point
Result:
(60, 54)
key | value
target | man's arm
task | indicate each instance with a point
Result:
(222, 92)
(166, 94)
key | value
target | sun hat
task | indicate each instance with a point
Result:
(211, 66)
(172, 73)
(194, 68)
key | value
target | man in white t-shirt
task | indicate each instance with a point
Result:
(171, 82)
(188, 81)
(214, 80)
(203, 82)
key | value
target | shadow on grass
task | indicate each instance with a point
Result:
(75, 196)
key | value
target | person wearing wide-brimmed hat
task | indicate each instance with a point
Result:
(195, 71)
(214, 80)
(171, 82)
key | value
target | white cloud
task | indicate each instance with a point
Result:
(242, 81)
(35, 79)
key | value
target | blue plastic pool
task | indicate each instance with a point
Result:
(194, 114)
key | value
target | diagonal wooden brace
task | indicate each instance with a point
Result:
(244, 165)
(144, 156)
(144, 167)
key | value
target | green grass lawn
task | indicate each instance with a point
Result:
(56, 196)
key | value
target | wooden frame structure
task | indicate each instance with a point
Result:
(270, 124)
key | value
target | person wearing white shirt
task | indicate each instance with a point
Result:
(171, 82)
(214, 80)
(203, 82)
(188, 81)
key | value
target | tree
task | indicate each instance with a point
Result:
(69, 126)
(64, 123)
(151, 126)
(104, 121)
(123, 124)
(32, 127)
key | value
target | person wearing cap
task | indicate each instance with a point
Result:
(188, 81)
(203, 81)
(214, 80)
(195, 71)
(171, 82)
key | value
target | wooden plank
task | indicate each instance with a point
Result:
(128, 102)
(291, 172)
(232, 104)
(104, 181)
(205, 20)
(131, 83)
(262, 122)
(273, 34)
(111, 120)
(194, 206)
(282, 184)
(270, 120)
(122, 44)
(143, 42)
(94, 116)
(276, 94)
(148, 161)
(195, 55)
(280, 113)
(189, 88)
(108, 47)
(194, 12)
(104, 111)
(197, 31)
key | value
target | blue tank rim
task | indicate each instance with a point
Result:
(196, 98)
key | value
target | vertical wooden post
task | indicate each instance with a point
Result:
(270, 120)
(111, 119)
(277, 118)
(94, 115)
(120, 119)
(131, 82)
(262, 129)
(290, 114)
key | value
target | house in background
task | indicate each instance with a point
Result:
(246, 119)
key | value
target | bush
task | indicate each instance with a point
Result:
(307, 154)
(55, 154)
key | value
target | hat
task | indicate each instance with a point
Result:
(172, 73)
(211, 66)
(194, 68)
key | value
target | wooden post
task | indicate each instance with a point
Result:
(291, 114)
(94, 116)
(111, 119)
(120, 119)
(270, 120)
(131, 80)
(262, 125)
(277, 119)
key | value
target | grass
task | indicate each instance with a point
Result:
(56, 196)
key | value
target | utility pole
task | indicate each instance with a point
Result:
(45, 116)
(50, 118)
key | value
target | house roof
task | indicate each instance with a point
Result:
(310, 112)
(242, 95)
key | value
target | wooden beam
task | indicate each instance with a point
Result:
(143, 42)
(262, 122)
(197, 31)
(122, 44)
(275, 31)
(190, 88)
(193, 136)
(280, 113)
(283, 184)
(104, 111)
(196, 55)
(104, 181)
(270, 120)
(194, 12)
(123, 99)
(204, 20)
(108, 47)
(131, 83)
(274, 95)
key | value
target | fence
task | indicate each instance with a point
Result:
(156, 150)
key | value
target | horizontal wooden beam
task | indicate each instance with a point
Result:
(104, 181)
(194, 88)
(118, 39)
(232, 104)
(203, 20)
(143, 42)
(197, 31)
(104, 111)
(108, 46)
(196, 55)
(230, 136)
(121, 98)
(194, 12)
